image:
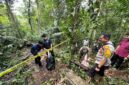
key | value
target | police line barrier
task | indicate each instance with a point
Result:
(28, 60)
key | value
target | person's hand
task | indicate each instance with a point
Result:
(128, 56)
(97, 69)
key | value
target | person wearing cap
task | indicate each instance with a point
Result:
(50, 61)
(46, 41)
(121, 52)
(35, 49)
(102, 61)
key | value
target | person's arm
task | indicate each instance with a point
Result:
(50, 43)
(128, 56)
(88, 48)
(102, 62)
(117, 48)
(89, 52)
(80, 49)
(105, 56)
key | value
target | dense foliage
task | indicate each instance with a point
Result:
(26, 20)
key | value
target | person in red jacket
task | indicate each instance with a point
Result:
(121, 52)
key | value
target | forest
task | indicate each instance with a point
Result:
(67, 24)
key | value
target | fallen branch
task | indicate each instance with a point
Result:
(80, 65)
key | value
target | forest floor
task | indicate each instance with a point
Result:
(62, 75)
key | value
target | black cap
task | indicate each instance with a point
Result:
(106, 35)
(44, 35)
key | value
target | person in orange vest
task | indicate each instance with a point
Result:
(102, 61)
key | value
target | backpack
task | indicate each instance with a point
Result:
(108, 50)
(50, 62)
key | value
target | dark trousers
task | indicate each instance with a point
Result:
(117, 61)
(50, 63)
(52, 52)
(92, 72)
(37, 61)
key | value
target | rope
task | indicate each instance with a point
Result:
(23, 63)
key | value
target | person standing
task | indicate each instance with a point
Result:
(102, 61)
(121, 52)
(50, 61)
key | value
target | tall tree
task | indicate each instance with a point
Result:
(29, 16)
(75, 21)
(38, 17)
(12, 18)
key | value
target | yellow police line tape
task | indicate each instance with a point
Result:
(28, 60)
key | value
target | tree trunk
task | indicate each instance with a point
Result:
(75, 24)
(29, 16)
(38, 17)
(13, 19)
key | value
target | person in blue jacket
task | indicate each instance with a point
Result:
(50, 61)
(35, 49)
(46, 41)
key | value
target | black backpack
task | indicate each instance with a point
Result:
(50, 62)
